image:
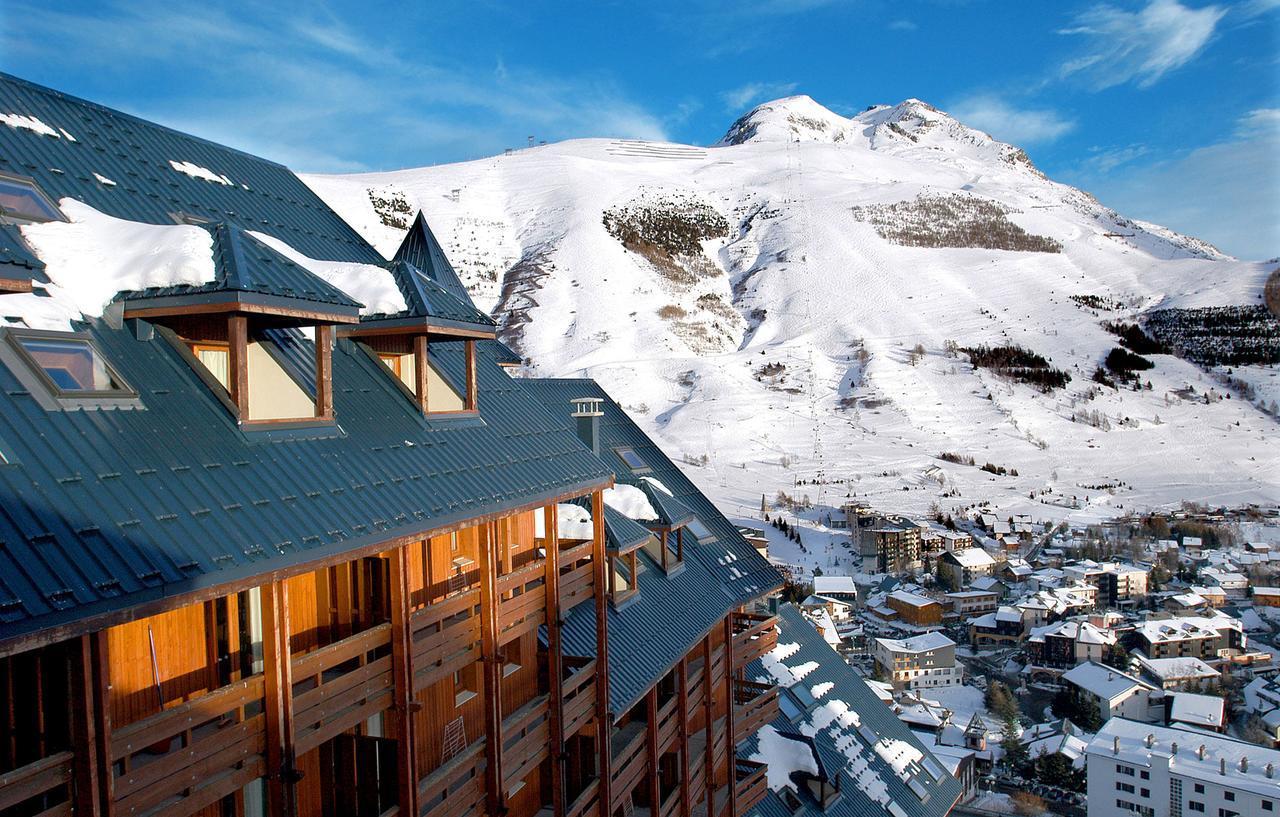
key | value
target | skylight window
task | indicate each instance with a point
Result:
(632, 459)
(21, 200)
(701, 531)
(71, 365)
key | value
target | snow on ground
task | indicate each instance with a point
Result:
(993, 801)
(963, 701)
(784, 354)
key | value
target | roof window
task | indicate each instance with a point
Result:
(22, 201)
(632, 459)
(65, 370)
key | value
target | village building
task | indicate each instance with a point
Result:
(919, 662)
(1195, 710)
(1234, 585)
(1114, 693)
(915, 609)
(887, 543)
(997, 630)
(1067, 643)
(957, 569)
(967, 603)
(1176, 673)
(1210, 638)
(1266, 597)
(283, 536)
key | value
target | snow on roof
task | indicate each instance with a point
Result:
(631, 502)
(572, 522)
(920, 643)
(1190, 599)
(372, 286)
(195, 171)
(94, 256)
(1198, 710)
(834, 584)
(971, 594)
(1105, 682)
(1081, 631)
(1175, 669)
(1183, 628)
(913, 599)
(973, 557)
(784, 755)
(656, 483)
(1266, 591)
(1218, 752)
(880, 689)
(780, 672)
(31, 123)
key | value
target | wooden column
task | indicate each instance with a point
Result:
(731, 746)
(84, 732)
(402, 675)
(683, 703)
(555, 657)
(278, 699)
(492, 667)
(709, 708)
(655, 790)
(604, 724)
(420, 363)
(471, 375)
(101, 694)
(238, 363)
(324, 371)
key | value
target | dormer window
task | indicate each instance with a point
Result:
(623, 577)
(23, 202)
(435, 393)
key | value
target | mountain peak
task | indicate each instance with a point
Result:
(789, 119)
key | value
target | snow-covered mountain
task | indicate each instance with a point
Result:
(759, 304)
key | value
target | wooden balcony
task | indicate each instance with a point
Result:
(522, 604)
(456, 789)
(751, 782)
(754, 706)
(446, 637)
(696, 688)
(190, 756)
(526, 739)
(47, 777)
(586, 803)
(668, 723)
(754, 634)
(341, 685)
(576, 585)
(579, 694)
(671, 804)
(630, 760)
(696, 764)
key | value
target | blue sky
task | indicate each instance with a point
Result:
(1168, 111)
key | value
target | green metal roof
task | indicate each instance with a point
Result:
(421, 249)
(17, 263)
(428, 300)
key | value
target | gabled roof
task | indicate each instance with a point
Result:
(623, 534)
(883, 768)
(672, 513)
(422, 249)
(249, 273)
(1103, 681)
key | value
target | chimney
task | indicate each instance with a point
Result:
(1200, 752)
(1173, 748)
(1222, 765)
(1244, 765)
(586, 410)
(1151, 740)
(1271, 770)
(1115, 745)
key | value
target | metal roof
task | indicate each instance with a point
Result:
(17, 262)
(245, 266)
(836, 742)
(427, 299)
(623, 533)
(422, 249)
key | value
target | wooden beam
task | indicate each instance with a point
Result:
(324, 371)
(402, 676)
(555, 656)
(236, 305)
(683, 703)
(471, 375)
(278, 699)
(655, 789)
(731, 747)
(709, 710)
(84, 729)
(604, 724)
(238, 363)
(492, 666)
(420, 363)
(101, 690)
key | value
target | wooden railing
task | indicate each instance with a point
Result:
(579, 696)
(456, 789)
(668, 723)
(522, 604)
(671, 805)
(696, 764)
(48, 776)
(586, 802)
(751, 782)
(576, 586)
(754, 634)
(446, 637)
(630, 760)
(754, 706)
(190, 755)
(695, 688)
(526, 738)
(720, 750)
(341, 685)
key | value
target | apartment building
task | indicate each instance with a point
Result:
(919, 662)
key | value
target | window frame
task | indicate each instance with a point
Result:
(420, 350)
(82, 338)
(33, 186)
(623, 450)
(46, 392)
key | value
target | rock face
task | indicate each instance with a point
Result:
(789, 307)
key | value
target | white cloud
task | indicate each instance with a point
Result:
(902, 25)
(1140, 46)
(753, 92)
(1227, 193)
(1008, 124)
(1105, 160)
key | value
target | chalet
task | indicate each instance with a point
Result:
(958, 568)
(1234, 585)
(842, 588)
(973, 602)
(1002, 628)
(280, 535)
(1213, 595)
(1209, 638)
(1067, 643)
(1176, 673)
(1266, 597)
(1116, 694)
(914, 609)
(1200, 711)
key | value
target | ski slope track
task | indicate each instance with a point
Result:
(779, 356)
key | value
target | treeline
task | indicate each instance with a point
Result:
(1019, 364)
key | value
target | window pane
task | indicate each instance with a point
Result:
(20, 200)
(73, 365)
(631, 458)
(217, 361)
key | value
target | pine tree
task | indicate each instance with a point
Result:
(1015, 752)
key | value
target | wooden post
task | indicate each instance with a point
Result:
(402, 676)
(238, 363)
(731, 747)
(84, 731)
(683, 692)
(655, 790)
(471, 374)
(708, 707)
(324, 371)
(604, 724)
(278, 699)
(421, 361)
(492, 666)
(101, 693)
(555, 657)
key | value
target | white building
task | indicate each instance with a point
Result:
(1116, 694)
(921, 662)
(1156, 771)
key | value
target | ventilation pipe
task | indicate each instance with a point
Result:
(1271, 770)
(1115, 745)
(1200, 752)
